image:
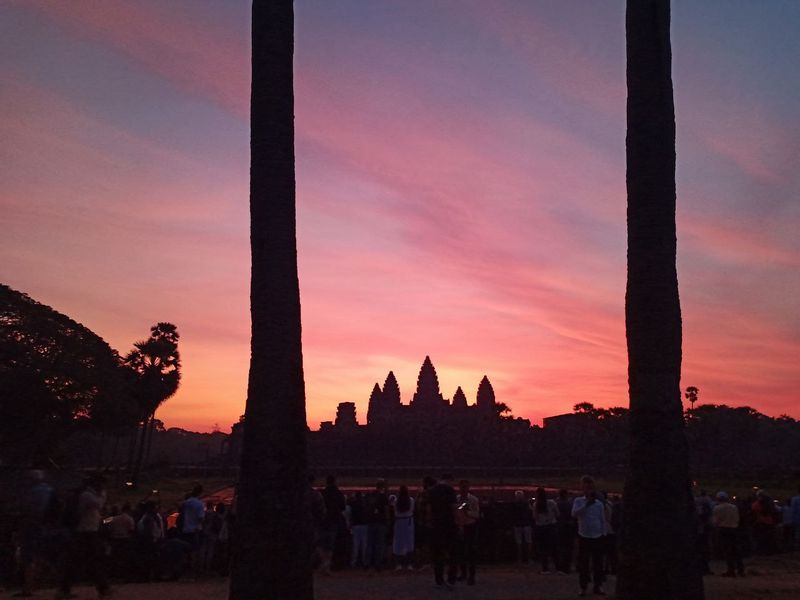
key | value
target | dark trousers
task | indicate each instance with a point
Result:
(765, 538)
(443, 546)
(86, 550)
(376, 545)
(544, 536)
(468, 547)
(729, 545)
(565, 545)
(703, 541)
(611, 553)
(590, 550)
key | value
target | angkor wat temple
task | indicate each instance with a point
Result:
(427, 407)
(433, 431)
(430, 430)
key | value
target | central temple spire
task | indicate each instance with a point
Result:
(460, 399)
(427, 394)
(486, 401)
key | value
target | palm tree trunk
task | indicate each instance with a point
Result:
(658, 556)
(134, 438)
(100, 450)
(137, 465)
(150, 434)
(272, 552)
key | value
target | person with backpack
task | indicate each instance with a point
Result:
(566, 530)
(358, 530)
(444, 531)
(377, 504)
(794, 505)
(150, 534)
(522, 524)
(335, 505)
(212, 524)
(767, 518)
(422, 519)
(86, 549)
(545, 516)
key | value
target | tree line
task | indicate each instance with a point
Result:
(57, 377)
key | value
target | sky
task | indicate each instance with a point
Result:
(460, 192)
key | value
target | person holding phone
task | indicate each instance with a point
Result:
(590, 511)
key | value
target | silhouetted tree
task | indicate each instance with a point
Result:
(156, 363)
(272, 553)
(691, 395)
(54, 373)
(502, 410)
(658, 559)
(584, 407)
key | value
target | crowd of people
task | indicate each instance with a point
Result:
(448, 527)
(443, 526)
(732, 527)
(74, 535)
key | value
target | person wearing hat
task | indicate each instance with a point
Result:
(725, 518)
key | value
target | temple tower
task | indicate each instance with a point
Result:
(428, 397)
(459, 400)
(375, 410)
(391, 393)
(346, 416)
(486, 400)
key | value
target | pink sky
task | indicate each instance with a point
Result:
(461, 193)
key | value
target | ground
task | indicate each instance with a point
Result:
(777, 577)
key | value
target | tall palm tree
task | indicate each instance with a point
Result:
(273, 544)
(658, 559)
(156, 364)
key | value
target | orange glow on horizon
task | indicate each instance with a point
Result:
(460, 194)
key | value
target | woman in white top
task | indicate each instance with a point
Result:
(403, 543)
(545, 513)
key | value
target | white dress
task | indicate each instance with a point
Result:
(403, 543)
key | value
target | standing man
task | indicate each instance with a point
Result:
(335, 504)
(423, 526)
(377, 525)
(469, 511)
(358, 527)
(32, 528)
(725, 517)
(194, 514)
(565, 541)
(795, 506)
(522, 521)
(704, 506)
(86, 546)
(590, 512)
(444, 518)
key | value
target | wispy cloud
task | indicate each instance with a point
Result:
(461, 194)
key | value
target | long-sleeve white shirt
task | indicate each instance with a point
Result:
(591, 517)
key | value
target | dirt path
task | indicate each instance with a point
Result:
(768, 578)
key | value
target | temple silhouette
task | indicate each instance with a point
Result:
(427, 409)
(432, 431)
(429, 430)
